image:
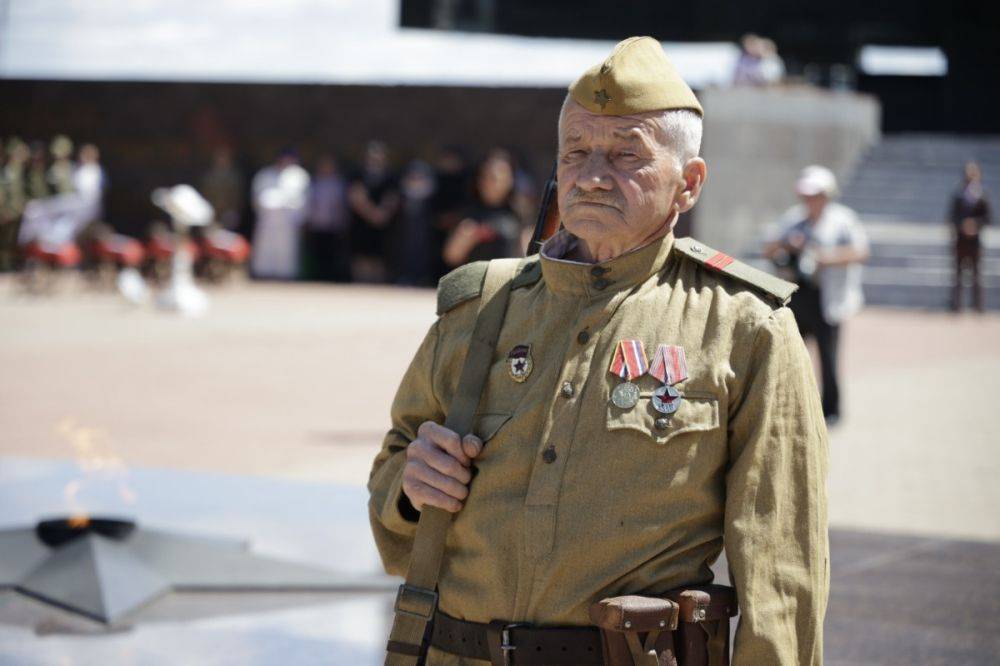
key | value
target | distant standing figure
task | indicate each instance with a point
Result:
(970, 212)
(414, 243)
(451, 198)
(13, 197)
(90, 182)
(373, 196)
(222, 186)
(60, 174)
(491, 229)
(326, 238)
(279, 198)
(820, 246)
(37, 181)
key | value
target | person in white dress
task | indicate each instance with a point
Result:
(280, 194)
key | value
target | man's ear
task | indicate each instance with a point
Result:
(693, 174)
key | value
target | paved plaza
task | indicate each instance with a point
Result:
(285, 389)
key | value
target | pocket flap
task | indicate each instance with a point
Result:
(697, 412)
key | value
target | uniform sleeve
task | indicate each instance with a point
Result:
(393, 518)
(775, 523)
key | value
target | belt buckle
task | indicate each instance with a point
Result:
(505, 647)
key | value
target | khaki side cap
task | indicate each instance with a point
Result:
(636, 78)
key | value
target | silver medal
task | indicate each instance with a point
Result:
(625, 395)
(666, 399)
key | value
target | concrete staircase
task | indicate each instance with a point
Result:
(902, 189)
(910, 177)
(912, 266)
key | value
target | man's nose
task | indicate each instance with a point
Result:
(594, 174)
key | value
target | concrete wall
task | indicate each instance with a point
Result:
(757, 141)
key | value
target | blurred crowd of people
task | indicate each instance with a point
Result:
(42, 181)
(370, 223)
(373, 224)
(52, 216)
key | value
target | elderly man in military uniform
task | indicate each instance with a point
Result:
(648, 402)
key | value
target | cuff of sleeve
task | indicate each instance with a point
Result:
(398, 514)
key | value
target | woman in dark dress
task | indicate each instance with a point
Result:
(373, 198)
(490, 229)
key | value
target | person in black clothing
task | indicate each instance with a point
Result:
(490, 229)
(452, 194)
(970, 212)
(325, 234)
(373, 197)
(413, 259)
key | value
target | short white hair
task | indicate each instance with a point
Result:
(681, 128)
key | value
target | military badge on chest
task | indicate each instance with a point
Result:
(670, 367)
(519, 363)
(628, 363)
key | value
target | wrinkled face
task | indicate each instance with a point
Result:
(617, 177)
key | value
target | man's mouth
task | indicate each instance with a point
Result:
(596, 203)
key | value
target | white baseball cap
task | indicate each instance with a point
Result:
(815, 180)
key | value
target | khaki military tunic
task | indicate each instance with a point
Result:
(576, 499)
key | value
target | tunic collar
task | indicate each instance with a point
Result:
(606, 278)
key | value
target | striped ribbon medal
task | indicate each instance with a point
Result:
(670, 367)
(629, 363)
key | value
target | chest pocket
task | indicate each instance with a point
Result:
(698, 412)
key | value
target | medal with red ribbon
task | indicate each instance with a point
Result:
(670, 367)
(628, 363)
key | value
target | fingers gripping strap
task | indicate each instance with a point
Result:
(417, 597)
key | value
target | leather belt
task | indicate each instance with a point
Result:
(504, 643)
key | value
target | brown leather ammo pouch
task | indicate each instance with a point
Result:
(685, 627)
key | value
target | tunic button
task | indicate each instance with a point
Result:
(567, 389)
(662, 423)
(598, 271)
(601, 283)
(583, 337)
(549, 455)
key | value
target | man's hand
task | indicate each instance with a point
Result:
(437, 471)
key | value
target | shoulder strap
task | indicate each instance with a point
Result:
(471, 280)
(417, 597)
(460, 285)
(772, 286)
(498, 273)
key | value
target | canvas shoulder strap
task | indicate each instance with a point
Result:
(417, 598)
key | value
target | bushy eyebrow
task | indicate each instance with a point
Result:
(629, 134)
